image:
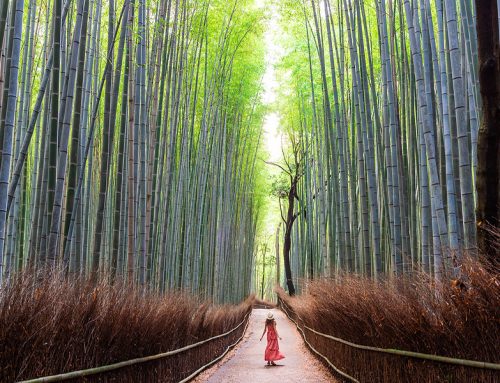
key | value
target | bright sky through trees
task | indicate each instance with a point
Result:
(272, 134)
(273, 138)
(272, 142)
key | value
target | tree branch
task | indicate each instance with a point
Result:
(295, 216)
(278, 165)
(281, 211)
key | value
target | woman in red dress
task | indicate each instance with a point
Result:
(272, 349)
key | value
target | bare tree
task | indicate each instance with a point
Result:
(293, 171)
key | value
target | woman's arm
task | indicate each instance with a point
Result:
(265, 328)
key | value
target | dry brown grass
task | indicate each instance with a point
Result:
(459, 319)
(263, 304)
(49, 325)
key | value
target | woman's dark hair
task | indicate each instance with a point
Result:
(269, 321)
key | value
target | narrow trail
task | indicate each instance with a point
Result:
(246, 363)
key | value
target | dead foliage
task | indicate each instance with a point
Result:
(458, 318)
(50, 325)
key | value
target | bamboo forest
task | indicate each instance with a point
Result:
(175, 174)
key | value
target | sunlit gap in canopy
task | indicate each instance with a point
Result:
(274, 51)
(273, 141)
(273, 138)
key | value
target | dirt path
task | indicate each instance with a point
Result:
(246, 363)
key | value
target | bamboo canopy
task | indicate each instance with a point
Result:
(132, 143)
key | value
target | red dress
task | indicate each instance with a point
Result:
(272, 348)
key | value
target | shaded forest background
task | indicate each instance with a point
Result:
(132, 142)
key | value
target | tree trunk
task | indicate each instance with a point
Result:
(290, 218)
(8, 128)
(488, 165)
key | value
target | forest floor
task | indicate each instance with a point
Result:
(245, 364)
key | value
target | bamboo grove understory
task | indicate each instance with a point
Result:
(386, 104)
(131, 139)
(130, 134)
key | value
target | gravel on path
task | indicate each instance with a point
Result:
(245, 364)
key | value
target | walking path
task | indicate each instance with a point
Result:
(246, 363)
